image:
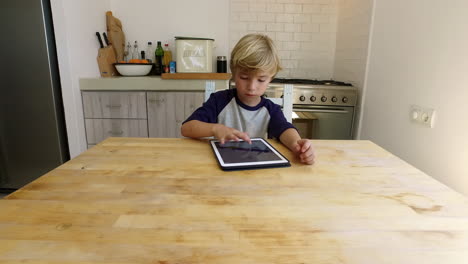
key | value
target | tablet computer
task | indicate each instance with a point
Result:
(240, 155)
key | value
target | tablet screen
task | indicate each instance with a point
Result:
(242, 154)
(242, 151)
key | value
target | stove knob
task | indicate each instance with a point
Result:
(323, 99)
(334, 99)
(302, 98)
(345, 99)
(313, 98)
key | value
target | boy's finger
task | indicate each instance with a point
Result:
(245, 137)
(305, 146)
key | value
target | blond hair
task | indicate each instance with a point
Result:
(255, 52)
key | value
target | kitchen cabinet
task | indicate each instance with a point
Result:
(114, 114)
(167, 111)
(137, 114)
(100, 129)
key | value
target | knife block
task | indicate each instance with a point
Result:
(106, 59)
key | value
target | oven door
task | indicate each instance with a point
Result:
(324, 122)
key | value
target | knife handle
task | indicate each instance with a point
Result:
(100, 40)
(105, 38)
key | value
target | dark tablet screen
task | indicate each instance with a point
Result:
(242, 151)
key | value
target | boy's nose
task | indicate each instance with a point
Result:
(251, 85)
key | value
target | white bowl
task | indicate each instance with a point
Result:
(133, 69)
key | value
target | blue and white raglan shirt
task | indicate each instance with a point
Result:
(224, 107)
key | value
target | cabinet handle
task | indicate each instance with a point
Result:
(113, 106)
(115, 133)
(156, 100)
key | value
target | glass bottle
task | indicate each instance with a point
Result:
(167, 58)
(136, 53)
(128, 52)
(150, 52)
(159, 53)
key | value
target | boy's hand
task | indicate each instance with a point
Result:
(224, 133)
(305, 151)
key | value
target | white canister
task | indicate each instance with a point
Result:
(194, 54)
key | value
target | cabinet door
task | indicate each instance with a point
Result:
(100, 129)
(114, 104)
(167, 111)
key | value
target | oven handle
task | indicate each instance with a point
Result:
(321, 110)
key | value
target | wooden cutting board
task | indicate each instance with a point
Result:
(116, 35)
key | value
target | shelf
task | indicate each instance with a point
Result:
(196, 76)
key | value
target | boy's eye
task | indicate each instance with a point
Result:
(261, 80)
(244, 77)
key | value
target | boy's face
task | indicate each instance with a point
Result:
(251, 85)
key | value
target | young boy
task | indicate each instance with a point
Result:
(242, 113)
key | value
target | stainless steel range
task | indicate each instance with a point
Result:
(321, 109)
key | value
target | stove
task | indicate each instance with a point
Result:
(315, 92)
(322, 109)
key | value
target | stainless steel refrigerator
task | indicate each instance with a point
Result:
(33, 138)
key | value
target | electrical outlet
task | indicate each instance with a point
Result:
(415, 114)
(422, 115)
(428, 117)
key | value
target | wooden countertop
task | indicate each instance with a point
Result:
(196, 76)
(150, 83)
(165, 201)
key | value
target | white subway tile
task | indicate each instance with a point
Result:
(247, 17)
(310, 28)
(302, 36)
(284, 36)
(304, 1)
(256, 26)
(275, 8)
(272, 35)
(266, 17)
(293, 8)
(275, 27)
(284, 54)
(328, 9)
(284, 73)
(289, 64)
(284, 18)
(289, 27)
(301, 19)
(320, 19)
(240, 26)
(311, 9)
(331, 2)
(291, 45)
(257, 7)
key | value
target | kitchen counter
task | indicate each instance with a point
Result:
(148, 83)
(140, 200)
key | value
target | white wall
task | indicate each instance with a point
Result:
(304, 32)
(419, 55)
(76, 22)
(75, 25)
(354, 21)
(158, 20)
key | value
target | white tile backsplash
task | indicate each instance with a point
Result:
(304, 32)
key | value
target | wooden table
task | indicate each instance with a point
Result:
(165, 201)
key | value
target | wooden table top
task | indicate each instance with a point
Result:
(165, 201)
